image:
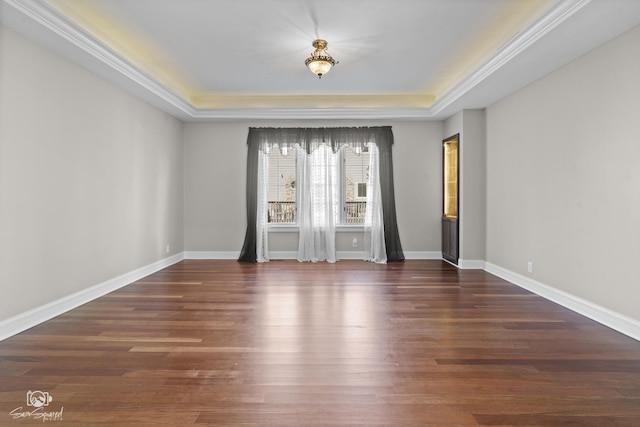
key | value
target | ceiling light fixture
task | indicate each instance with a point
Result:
(320, 62)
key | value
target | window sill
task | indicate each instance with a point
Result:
(282, 228)
(349, 228)
(293, 228)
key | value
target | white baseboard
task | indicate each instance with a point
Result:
(23, 321)
(283, 255)
(274, 255)
(471, 264)
(211, 255)
(604, 316)
(359, 255)
(294, 255)
(351, 255)
(422, 255)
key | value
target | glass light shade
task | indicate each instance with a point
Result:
(319, 66)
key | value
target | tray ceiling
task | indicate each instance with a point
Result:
(406, 59)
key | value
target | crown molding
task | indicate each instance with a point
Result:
(47, 17)
(162, 97)
(313, 114)
(550, 19)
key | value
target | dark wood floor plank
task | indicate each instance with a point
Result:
(418, 343)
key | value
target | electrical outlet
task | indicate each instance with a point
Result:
(354, 243)
(530, 267)
(168, 248)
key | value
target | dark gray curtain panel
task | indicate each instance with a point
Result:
(248, 252)
(384, 141)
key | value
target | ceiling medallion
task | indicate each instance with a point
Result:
(320, 62)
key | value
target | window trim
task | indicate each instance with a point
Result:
(282, 228)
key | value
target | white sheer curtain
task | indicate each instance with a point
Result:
(374, 244)
(262, 234)
(317, 182)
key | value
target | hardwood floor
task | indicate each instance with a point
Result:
(418, 343)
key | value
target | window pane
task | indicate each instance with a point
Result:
(356, 167)
(282, 188)
(362, 190)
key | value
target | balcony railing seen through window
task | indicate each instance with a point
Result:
(285, 212)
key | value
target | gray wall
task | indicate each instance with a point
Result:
(90, 179)
(215, 155)
(563, 178)
(470, 124)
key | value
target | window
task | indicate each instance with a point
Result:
(352, 181)
(355, 177)
(282, 188)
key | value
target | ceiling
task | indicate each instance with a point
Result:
(244, 59)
